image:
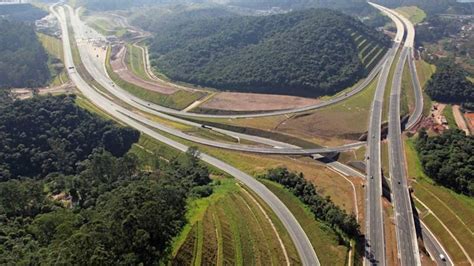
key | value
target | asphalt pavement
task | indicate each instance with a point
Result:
(404, 219)
(375, 236)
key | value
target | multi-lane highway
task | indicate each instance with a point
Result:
(375, 248)
(97, 71)
(407, 242)
(84, 33)
(297, 234)
(375, 237)
(404, 219)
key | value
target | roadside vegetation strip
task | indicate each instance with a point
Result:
(446, 240)
(53, 45)
(135, 61)
(448, 113)
(454, 210)
(322, 237)
(388, 89)
(407, 100)
(460, 206)
(425, 71)
(54, 48)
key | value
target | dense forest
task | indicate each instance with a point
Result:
(436, 28)
(23, 12)
(449, 84)
(23, 60)
(323, 208)
(449, 159)
(306, 53)
(51, 134)
(109, 214)
(87, 202)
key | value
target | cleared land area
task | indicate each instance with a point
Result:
(347, 120)
(448, 113)
(119, 66)
(454, 210)
(153, 92)
(332, 125)
(245, 102)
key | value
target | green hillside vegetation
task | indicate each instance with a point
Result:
(108, 211)
(323, 208)
(449, 84)
(233, 228)
(307, 53)
(449, 159)
(23, 60)
(51, 134)
(25, 13)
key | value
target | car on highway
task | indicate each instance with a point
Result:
(442, 257)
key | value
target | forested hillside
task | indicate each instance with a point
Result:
(23, 60)
(51, 134)
(306, 53)
(71, 194)
(449, 159)
(449, 84)
(25, 13)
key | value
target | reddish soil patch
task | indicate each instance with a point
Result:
(120, 67)
(470, 120)
(235, 101)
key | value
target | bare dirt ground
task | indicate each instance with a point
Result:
(67, 88)
(120, 67)
(340, 124)
(470, 119)
(235, 101)
(460, 119)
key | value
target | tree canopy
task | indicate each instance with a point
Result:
(307, 53)
(449, 159)
(323, 208)
(23, 60)
(111, 213)
(82, 198)
(449, 84)
(51, 134)
(22, 12)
